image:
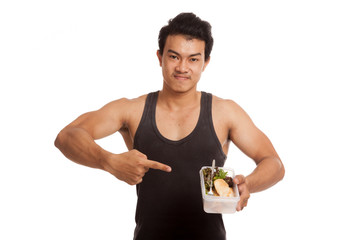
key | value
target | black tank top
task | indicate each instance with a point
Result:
(170, 205)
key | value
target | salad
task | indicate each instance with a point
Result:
(218, 174)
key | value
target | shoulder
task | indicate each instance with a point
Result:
(229, 111)
(123, 105)
(120, 110)
(228, 105)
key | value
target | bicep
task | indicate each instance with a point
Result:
(247, 137)
(101, 123)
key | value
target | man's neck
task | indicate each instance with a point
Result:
(178, 100)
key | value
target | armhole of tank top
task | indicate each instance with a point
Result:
(212, 127)
(143, 116)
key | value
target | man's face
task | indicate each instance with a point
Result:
(182, 63)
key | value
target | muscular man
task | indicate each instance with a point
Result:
(170, 135)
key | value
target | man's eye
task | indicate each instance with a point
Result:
(173, 57)
(194, 59)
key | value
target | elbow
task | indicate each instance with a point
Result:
(59, 140)
(281, 173)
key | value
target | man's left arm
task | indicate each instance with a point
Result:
(255, 144)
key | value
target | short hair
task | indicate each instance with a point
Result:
(190, 25)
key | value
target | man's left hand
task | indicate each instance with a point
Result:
(244, 192)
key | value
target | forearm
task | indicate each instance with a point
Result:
(267, 173)
(77, 145)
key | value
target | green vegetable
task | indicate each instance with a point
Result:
(221, 174)
(218, 174)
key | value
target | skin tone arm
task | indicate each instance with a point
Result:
(249, 139)
(76, 142)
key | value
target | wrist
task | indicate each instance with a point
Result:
(248, 183)
(104, 159)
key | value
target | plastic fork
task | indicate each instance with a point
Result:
(212, 176)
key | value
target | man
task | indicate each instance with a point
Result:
(170, 135)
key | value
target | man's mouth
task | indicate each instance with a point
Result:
(181, 77)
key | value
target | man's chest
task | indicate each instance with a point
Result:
(176, 125)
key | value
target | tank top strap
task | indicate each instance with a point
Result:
(146, 118)
(207, 116)
(150, 105)
(206, 103)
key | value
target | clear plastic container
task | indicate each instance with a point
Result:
(217, 204)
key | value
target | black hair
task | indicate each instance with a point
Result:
(190, 25)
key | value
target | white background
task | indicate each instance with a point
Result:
(292, 65)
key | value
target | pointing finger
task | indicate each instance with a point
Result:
(156, 165)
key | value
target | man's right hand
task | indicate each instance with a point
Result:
(131, 166)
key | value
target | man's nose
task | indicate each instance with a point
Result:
(182, 66)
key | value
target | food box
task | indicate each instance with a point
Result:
(217, 204)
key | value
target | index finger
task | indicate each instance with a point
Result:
(156, 165)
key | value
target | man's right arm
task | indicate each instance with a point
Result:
(77, 142)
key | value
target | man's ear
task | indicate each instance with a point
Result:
(159, 57)
(206, 63)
